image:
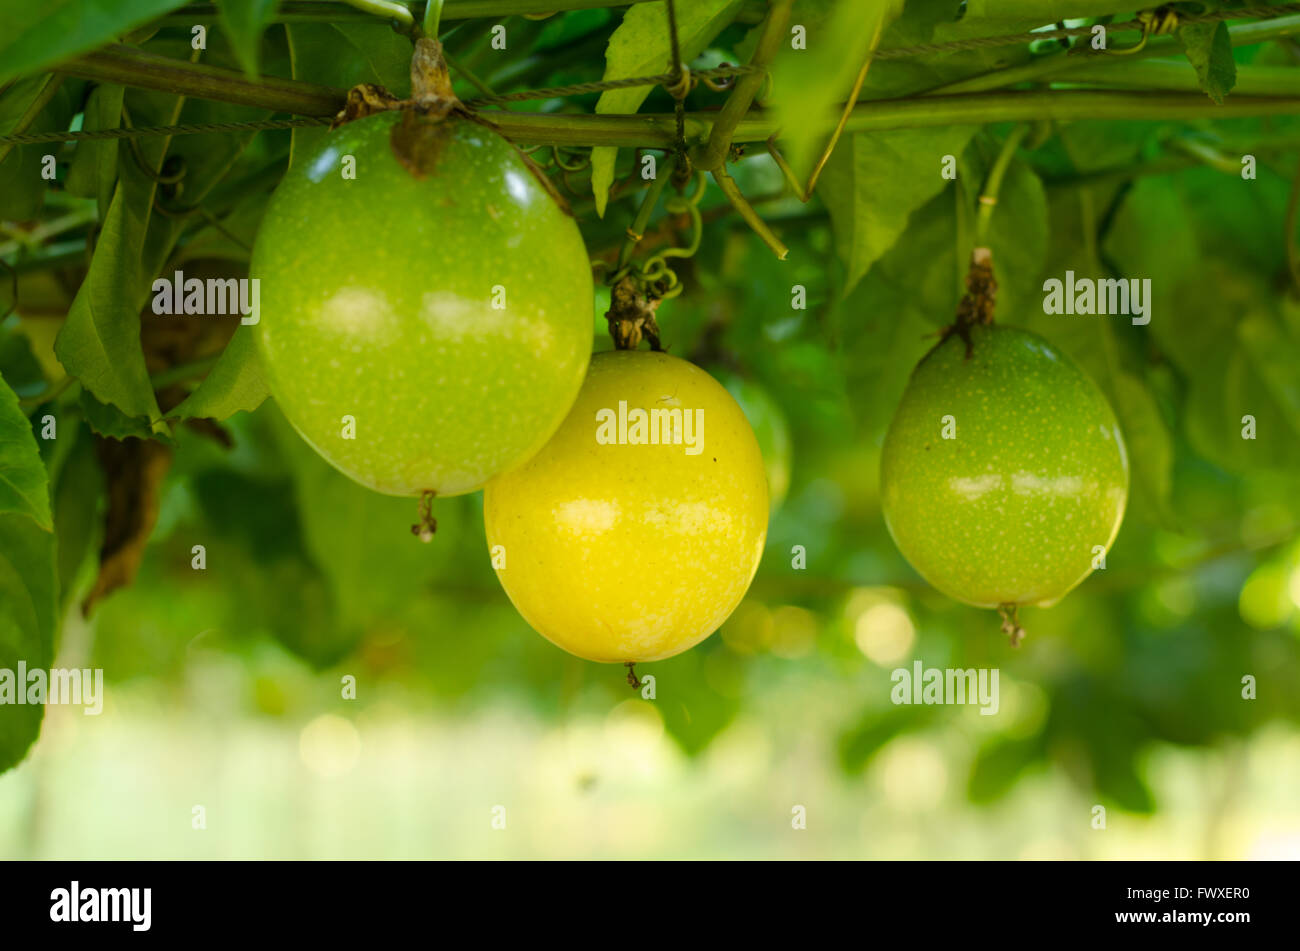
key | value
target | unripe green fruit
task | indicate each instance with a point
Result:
(1029, 491)
(448, 315)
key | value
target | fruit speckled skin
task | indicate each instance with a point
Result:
(633, 552)
(377, 303)
(1010, 510)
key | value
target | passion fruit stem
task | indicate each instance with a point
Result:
(432, 95)
(431, 91)
(432, 16)
(631, 675)
(980, 301)
(427, 525)
(993, 184)
(976, 308)
(1010, 613)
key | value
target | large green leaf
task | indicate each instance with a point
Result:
(77, 490)
(343, 56)
(361, 539)
(999, 764)
(27, 621)
(27, 573)
(254, 545)
(641, 47)
(811, 83)
(872, 184)
(37, 35)
(94, 165)
(889, 320)
(107, 420)
(35, 104)
(23, 483)
(1196, 238)
(1150, 445)
(235, 384)
(940, 21)
(244, 21)
(100, 341)
(1275, 355)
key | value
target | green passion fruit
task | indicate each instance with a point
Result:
(1004, 474)
(423, 333)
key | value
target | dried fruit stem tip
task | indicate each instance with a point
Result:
(631, 316)
(427, 525)
(980, 300)
(1011, 623)
(431, 90)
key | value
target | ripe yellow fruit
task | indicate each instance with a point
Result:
(620, 549)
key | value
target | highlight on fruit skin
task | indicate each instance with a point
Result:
(1004, 476)
(421, 333)
(619, 551)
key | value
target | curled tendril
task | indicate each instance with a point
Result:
(582, 161)
(162, 176)
(1156, 22)
(700, 184)
(722, 83)
(677, 206)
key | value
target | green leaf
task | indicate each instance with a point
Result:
(940, 21)
(244, 21)
(890, 318)
(693, 708)
(873, 183)
(27, 578)
(1199, 248)
(19, 365)
(361, 539)
(100, 341)
(381, 50)
(94, 166)
(1209, 50)
(236, 383)
(1275, 356)
(39, 34)
(24, 489)
(27, 621)
(253, 535)
(108, 420)
(861, 742)
(810, 84)
(77, 490)
(1150, 445)
(641, 47)
(36, 104)
(998, 765)
(344, 56)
